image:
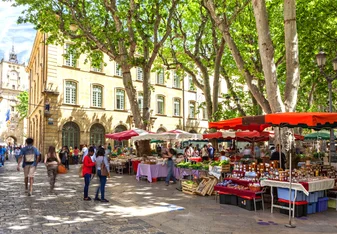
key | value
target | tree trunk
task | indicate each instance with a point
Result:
(292, 61)
(217, 67)
(266, 49)
(146, 97)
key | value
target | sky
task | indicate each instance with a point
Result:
(10, 32)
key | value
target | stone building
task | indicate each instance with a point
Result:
(74, 103)
(13, 81)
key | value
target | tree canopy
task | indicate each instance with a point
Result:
(22, 106)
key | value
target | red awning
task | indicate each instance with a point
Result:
(126, 135)
(241, 123)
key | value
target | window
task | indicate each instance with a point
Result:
(140, 101)
(204, 113)
(12, 108)
(120, 99)
(70, 60)
(176, 80)
(70, 92)
(160, 104)
(118, 70)
(96, 96)
(191, 110)
(139, 73)
(97, 68)
(160, 77)
(191, 85)
(176, 107)
(13, 86)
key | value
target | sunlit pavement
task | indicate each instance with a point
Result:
(135, 207)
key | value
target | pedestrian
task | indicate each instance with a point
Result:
(52, 160)
(204, 153)
(17, 153)
(76, 153)
(100, 160)
(210, 151)
(88, 164)
(170, 165)
(64, 156)
(84, 151)
(2, 155)
(29, 156)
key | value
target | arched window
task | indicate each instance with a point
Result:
(120, 128)
(97, 134)
(71, 134)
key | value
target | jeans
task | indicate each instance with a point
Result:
(2, 158)
(101, 187)
(170, 175)
(86, 184)
(75, 159)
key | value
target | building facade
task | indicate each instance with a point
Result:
(74, 103)
(13, 81)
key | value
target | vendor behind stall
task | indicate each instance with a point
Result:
(276, 157)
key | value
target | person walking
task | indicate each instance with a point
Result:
(84, 152)
(75, 155)
(29, 156)
(101, 160)
(64, 156)
(88, 164)
(52, 160)
(170, 165)
(2, 155)
(17, 153)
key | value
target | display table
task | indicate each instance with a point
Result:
(238, 192)
(135, 165)
(195, 159)
(239, 181)
(154, 171)
(305, 187)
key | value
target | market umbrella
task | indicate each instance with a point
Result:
(168, 136)
(323, 135)
(217, 135)
(126, 135)
(250, 123)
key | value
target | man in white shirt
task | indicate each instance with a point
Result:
(84, 151)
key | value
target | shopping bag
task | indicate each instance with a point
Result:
(61, 169)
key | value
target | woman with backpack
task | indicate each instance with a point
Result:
(51, 160)
(102, 169)
(88, 164)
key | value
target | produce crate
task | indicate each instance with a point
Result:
(283, 193)
(189, 187)
(322, 204)
(313, 197)
(228, 199)
(248, 203)
(226, 168)
(301, 208)
(332, 203)
(312, 207)
(206, 186)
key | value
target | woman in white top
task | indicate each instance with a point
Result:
(100, 158)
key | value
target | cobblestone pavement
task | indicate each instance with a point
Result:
(135, 207)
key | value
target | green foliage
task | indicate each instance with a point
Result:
(22, 106)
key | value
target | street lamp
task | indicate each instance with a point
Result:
(321, 60)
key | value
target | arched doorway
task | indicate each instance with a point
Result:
(97, 134)
(120, 128)
(192, 131)
(160, 130)
(11, 140)
(71, 134)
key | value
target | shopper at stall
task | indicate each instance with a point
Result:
(204, 153)
(51, 160)
(100, 160)
(276, 157)
(210, 151)
(88, 164)
(76, 153)
(170, 166)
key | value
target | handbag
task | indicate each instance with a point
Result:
(104, 170)
(61, 169)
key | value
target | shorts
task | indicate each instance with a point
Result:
(29, 171)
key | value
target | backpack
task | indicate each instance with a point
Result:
(29, 156)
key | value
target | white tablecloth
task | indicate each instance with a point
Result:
(314, 186)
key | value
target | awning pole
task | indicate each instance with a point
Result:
(280, 146)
